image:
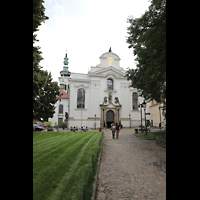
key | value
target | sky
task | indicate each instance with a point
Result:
(87, 29)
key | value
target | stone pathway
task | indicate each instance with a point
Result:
(131, 168)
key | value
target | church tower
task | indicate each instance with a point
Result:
(65, 71)
(63, 103)
(64, 74)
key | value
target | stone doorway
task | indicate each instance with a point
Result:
(109, 118)
(60, 120)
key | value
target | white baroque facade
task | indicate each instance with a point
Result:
(100, 97)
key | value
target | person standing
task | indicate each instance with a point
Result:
(117, 131)
(113, 130)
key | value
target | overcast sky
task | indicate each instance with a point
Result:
(87, 29)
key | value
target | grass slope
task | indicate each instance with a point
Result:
(61, 163)
(151, 135)
(159, 136)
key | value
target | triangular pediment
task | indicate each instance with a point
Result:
(110, 105)
(108, 71)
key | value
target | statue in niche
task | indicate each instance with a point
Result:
(66, 116)
(110, 97)
(105, 100)
(116, 100)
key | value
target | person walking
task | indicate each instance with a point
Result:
(113, 128)
(117, 131)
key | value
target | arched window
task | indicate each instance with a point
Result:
(109, 84)
(135, 100)
(81, 98)
(60, 108)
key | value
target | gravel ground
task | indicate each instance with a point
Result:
(131, 168)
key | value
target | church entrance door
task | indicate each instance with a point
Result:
(60, 120)
(109, 118)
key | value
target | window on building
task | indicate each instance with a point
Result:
(109, 84)
(63, 87)
(60, 108)
(81, 98)
(135, 101)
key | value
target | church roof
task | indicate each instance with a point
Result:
(63, 83)
(105, 72)
(64, 96)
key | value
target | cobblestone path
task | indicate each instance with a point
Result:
(131, 168)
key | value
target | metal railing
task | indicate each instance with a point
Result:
(92, 165)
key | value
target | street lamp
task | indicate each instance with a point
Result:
(141, 106)
(95, 122)
(68, 106)
(160, 116)
(144, 106)
(59, 106)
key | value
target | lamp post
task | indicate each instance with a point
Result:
(144, 106)
(141, 106)
(160, 116)
(95, 122)
(68, 107)
(59, 107)
(103, 117)
(118, 116)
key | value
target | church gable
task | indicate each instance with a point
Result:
(110, 59)
(110, 54)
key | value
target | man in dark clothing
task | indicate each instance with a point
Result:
(117, 130)
(113, 128)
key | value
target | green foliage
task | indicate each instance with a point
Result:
(147, 36)
(38, 15)
(44, 89)
(48, 123)
(44, 95)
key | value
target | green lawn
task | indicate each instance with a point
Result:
(61, 163)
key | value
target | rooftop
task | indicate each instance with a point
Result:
(64, 96)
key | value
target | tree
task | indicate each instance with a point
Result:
(147, 37)
(38, 14)
(44, 89)
(43, 104)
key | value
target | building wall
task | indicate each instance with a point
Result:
(155, 114)
(64, 102)
(95, 91)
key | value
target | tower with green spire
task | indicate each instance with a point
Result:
(65, 70)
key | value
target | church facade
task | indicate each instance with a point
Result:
(98, 98)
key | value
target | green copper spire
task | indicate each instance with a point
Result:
(65, 70)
